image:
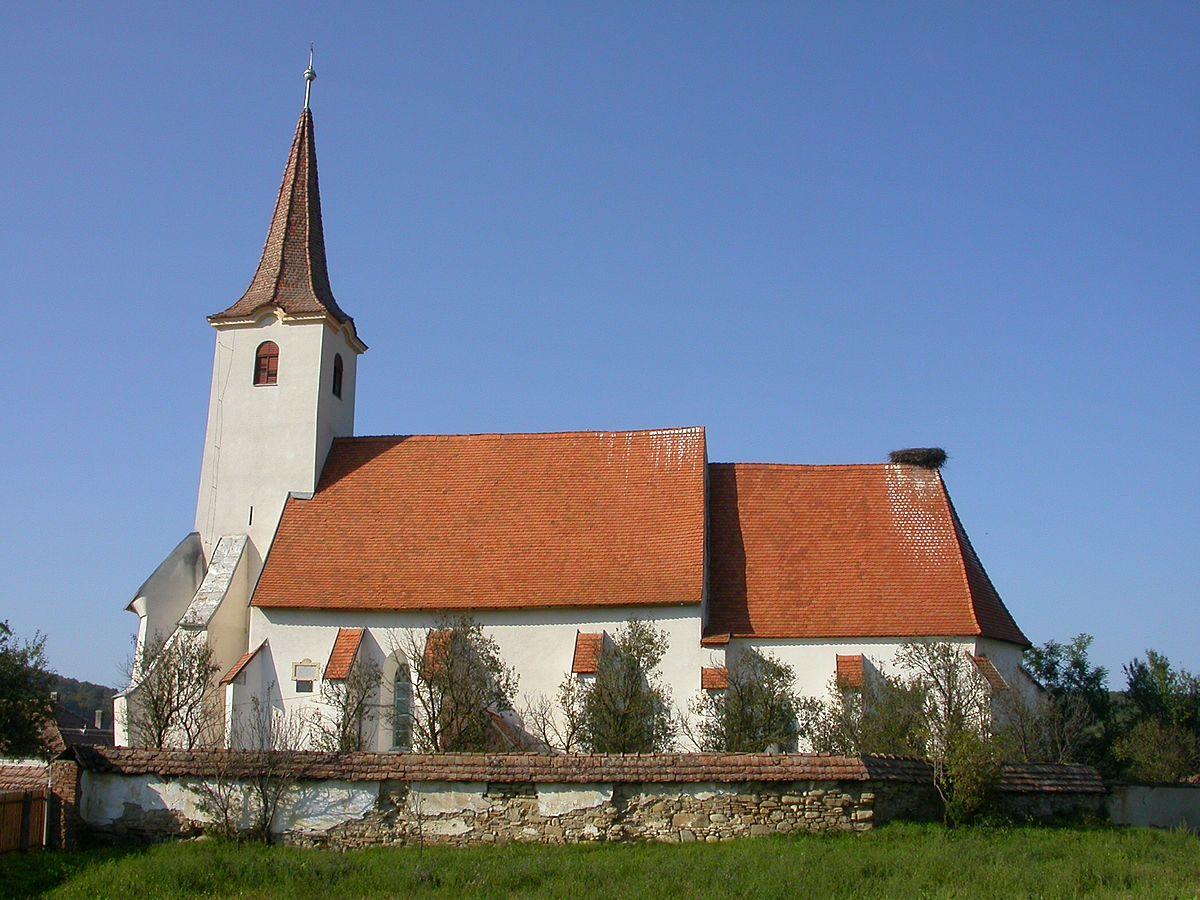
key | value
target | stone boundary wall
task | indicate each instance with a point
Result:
(367, 799)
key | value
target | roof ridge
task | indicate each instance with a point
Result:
(772, 465)
(520, 434)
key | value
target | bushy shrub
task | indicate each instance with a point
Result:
(627, 709)
(884, 716)
(758, 710)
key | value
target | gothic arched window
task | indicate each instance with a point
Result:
(337, 375)
(266, 363)
(402, 701)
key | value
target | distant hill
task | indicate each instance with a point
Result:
(83, 698)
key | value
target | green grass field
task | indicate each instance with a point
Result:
(895, 861)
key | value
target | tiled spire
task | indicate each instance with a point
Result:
(292, 273)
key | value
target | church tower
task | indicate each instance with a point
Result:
(284, 372)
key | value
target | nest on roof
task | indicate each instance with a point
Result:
(925, 457)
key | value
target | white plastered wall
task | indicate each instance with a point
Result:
(815, 661)
(539, 644)
(1007, 658)
(165, 595)
(264, 441)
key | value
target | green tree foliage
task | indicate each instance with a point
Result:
(882, 717)
(938, 707)
(627, 709)
(459, 680)
(1074, 722)
(957, 727)
(758, 710)
(1159, 721)
(25, 704)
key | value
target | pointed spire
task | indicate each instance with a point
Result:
(292, 273)
(310, 75)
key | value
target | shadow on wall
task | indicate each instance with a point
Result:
(726, 554)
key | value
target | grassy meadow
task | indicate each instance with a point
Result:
(899, 860)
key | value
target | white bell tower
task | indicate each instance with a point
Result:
(284, 372)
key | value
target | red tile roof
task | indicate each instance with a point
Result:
(844, 551)
(345, 649)
(989, 672)
(588, 647)
(496, 522)
(241, 664)
(293, 273)
(715, 678)
(17, 777)
(851, 671)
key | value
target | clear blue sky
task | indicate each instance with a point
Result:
(824, 233)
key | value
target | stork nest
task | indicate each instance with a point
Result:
(925, 457)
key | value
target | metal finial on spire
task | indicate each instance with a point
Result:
(310, 75)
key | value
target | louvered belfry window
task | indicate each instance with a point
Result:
(337, 375)
(266, 363)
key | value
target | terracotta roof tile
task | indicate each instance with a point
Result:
(345, 649)
(542, 768)
(19, 777)
(989, 672)
(844, 551)
(588, 648)
(714, 678)
(851, 671)
(293, 273)
(244, 661)
(496, 522)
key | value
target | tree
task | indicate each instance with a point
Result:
(1075, 718)
(349, 708)
(247, 787)
(1160, 733)
(557, 724)
(1157, 690)
(882, 717)
(938, 707)
(459, 681)
(1049, 728)
(171, 701)
(26, 707)
(627, 708)
(957, 726)
(756, 711)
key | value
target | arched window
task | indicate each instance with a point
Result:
(266, 363)
(337, 375)
(402, 701)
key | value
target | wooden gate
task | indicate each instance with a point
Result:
(23, 820)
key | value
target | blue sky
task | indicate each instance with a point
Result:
(822, 232)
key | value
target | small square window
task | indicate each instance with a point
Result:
(304, 673)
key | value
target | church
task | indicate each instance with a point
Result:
(313, 546)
